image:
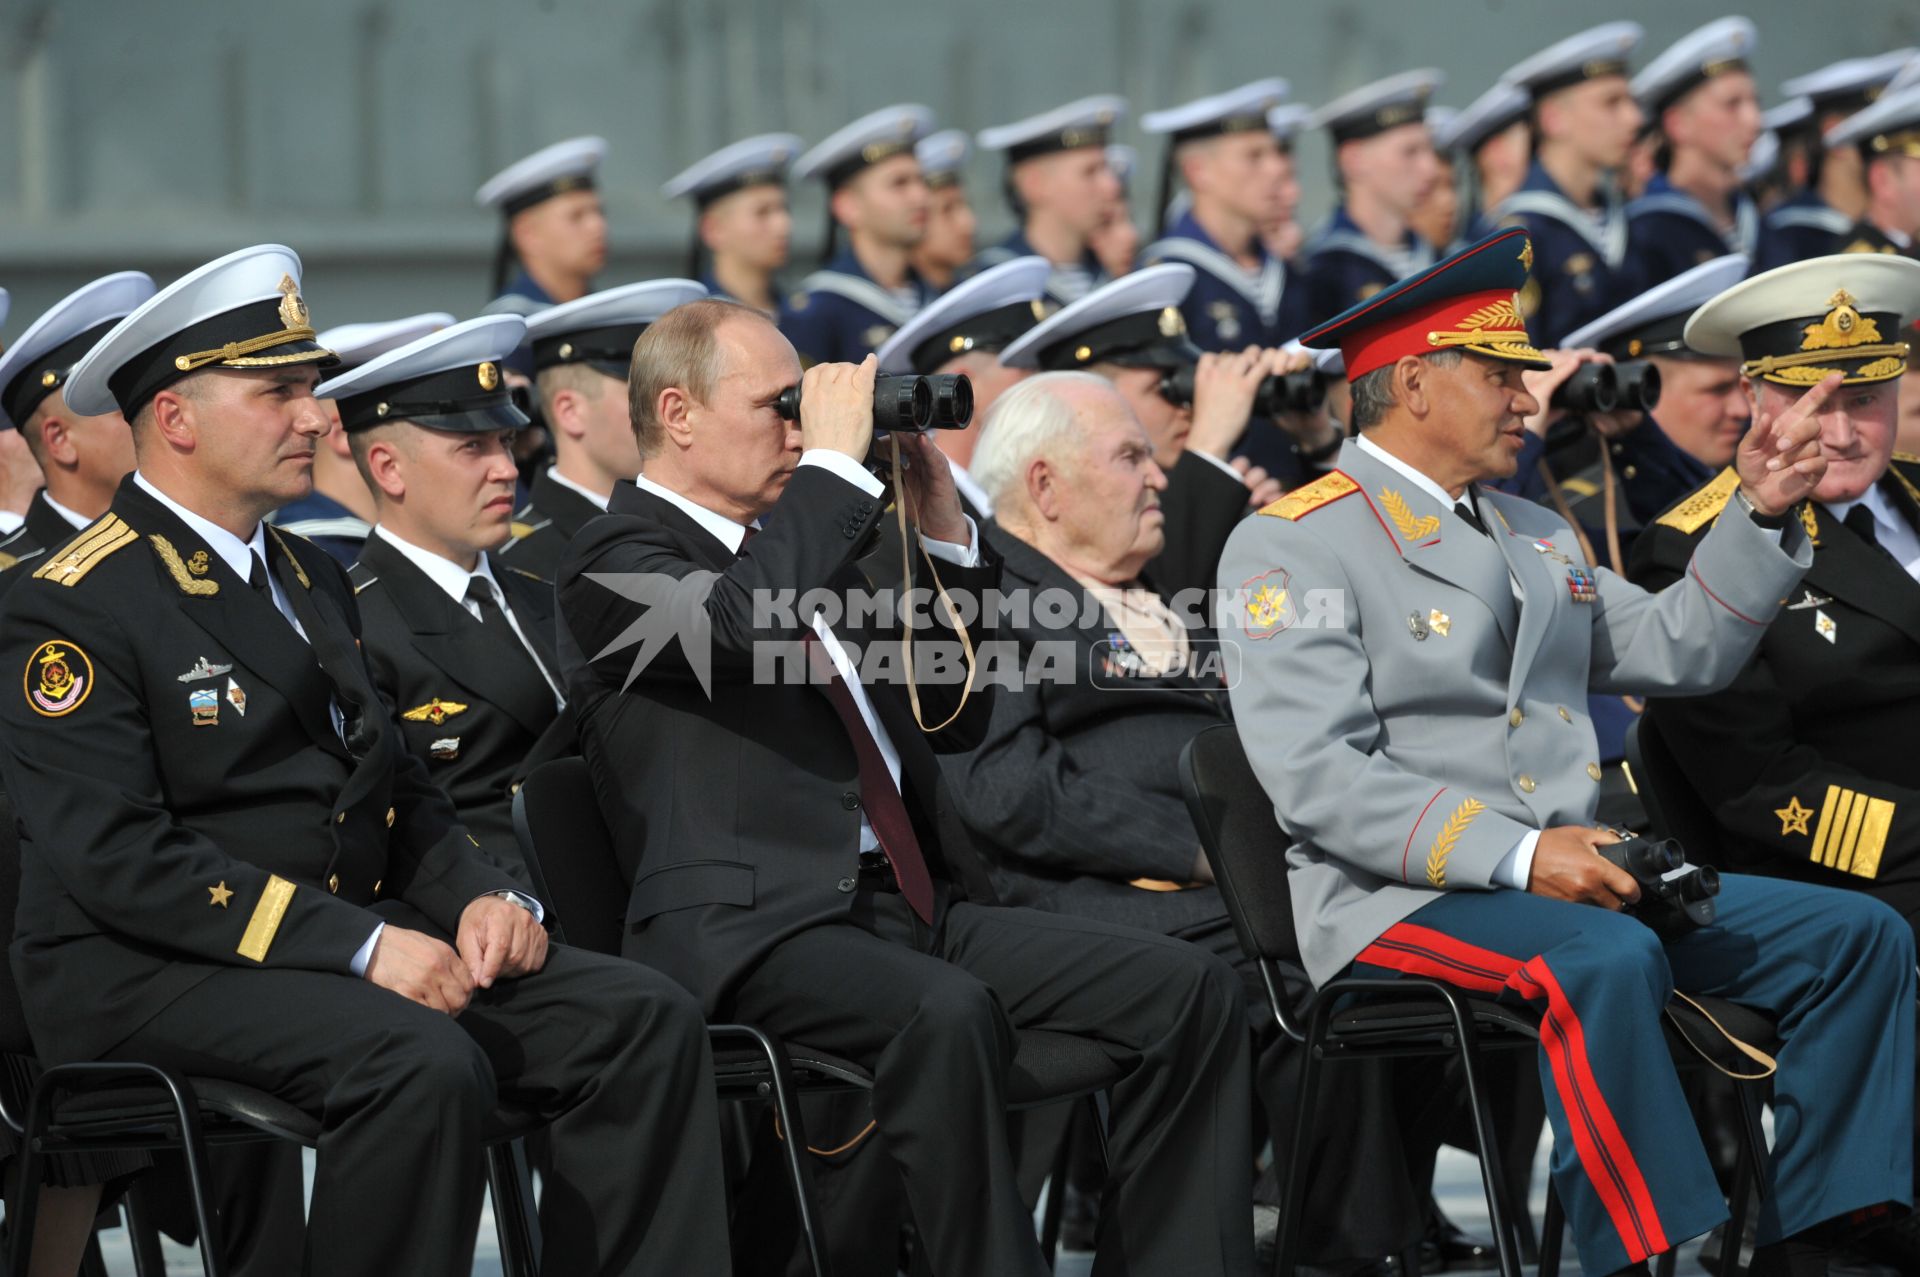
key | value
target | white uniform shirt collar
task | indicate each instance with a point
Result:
(234, 552)
(553, 473)
(74, 517)
(723, 529)
(442, 571)
(1415, 477)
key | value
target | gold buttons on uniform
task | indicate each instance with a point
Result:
(1593, 771)
(333, 883)
(1526, 785)
(389, 818)
(1516, 718)
(1564, 716)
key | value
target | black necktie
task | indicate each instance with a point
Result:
(1860, 522)
(480, 594)
(1465, 511)
(257, 579)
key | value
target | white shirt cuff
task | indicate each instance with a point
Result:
(965, 556)
(1515, 869)
(844, 466)
(364, 958)
(1223, 465)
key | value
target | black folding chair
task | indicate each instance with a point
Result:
(1397, 1017)
(137, 1107)
(557, 816)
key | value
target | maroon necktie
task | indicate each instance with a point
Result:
(879, 796)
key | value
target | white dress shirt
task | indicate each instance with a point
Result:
(452, 578)
(1890, 528)
(78, 520)
(732, 535)
(554, 474)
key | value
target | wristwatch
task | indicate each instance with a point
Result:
(1771, 522)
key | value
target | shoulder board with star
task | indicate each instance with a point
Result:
(1704, 504)
(1305, 500)
(87, 550)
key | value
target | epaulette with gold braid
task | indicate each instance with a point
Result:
(1305, 500)
(1704, 504)
(84, 553)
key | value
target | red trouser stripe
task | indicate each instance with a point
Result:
(1602, 1148)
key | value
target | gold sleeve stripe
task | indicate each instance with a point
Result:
(1852, 833)
(95, 544)
(265, 921)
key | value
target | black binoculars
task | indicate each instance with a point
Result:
(1633, 387)
(1302, 391)
(1675, 896)
(906, 403)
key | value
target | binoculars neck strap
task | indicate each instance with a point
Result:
(1768, 1066)
(906, 614)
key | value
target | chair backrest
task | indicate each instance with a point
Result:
(557, 818)
(1244, 843)
(1672, 803)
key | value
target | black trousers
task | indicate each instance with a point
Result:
(613, 1053)
(933, 1015)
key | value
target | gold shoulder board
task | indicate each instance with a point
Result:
(1703, 505)
(105, 535)
(1305, 500)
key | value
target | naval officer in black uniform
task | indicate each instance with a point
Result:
(231, 866)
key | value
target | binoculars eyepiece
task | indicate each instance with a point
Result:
(1629, 387)
(906, 403)
(1675, 896)
(1302, 391)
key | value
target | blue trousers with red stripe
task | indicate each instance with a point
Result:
(1836, 969)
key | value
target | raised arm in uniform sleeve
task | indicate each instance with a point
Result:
(1302, 705)
(88, 795)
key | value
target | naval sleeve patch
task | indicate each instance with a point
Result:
(1305, 500)
(59, 678)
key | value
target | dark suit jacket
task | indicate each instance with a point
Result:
(1821, 720)
(736, 813)
(1075, 792)
(44, 529)
(553, 515)
(429, 655)
(171, 834)
(1202, 504)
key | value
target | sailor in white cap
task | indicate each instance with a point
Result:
(1436, 218)
(1059, 185)
(1383, 161)
(1492, 134)
(551, 223)
(1827, 186)
(1116, 241)
(877, 194)
(1197, 407)
(944, 251)
(1699, 98)
(338, 513)
(743, 228)
(581, 353)
(276, 891)
(1886, 137)
(1240, 178)
(1585, 121)
(82, 458)
(444, 621)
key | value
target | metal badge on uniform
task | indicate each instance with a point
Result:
(445, 750)
(1547, 548)
(1226, 324)
(1823, 626)
(877, 335)
(1417, 624)
(1440, 622)
(237, 697)
(1808, 600)
(1582, 586)
(204, 704)
(204, 670)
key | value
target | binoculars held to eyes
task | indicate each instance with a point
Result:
(908, 404)
(1675, 897)
(1631, 387)
(1302, 391)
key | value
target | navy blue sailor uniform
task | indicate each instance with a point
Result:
(1798, 228)
(1414, 744)
(1344, 268)
(1066, 284)
(1669, 231)
(1578, 255)
(1230, 306)
(840, 315)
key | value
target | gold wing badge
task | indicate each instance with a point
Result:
(435, 711)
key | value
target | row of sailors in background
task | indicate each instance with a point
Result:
(1624, 180)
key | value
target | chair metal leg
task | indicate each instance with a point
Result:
(1293, 1191)
(786, 1106)
(1552, 1228)
(92, 1262)
(1056, 1206)
(143, 1236)
(510, 1183)
(1505, 1237)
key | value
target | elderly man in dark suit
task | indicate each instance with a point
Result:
(787, 856)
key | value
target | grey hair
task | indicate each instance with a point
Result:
(1373, 393)
(1036, 418)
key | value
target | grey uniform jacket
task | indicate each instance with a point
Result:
(1413, 694)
